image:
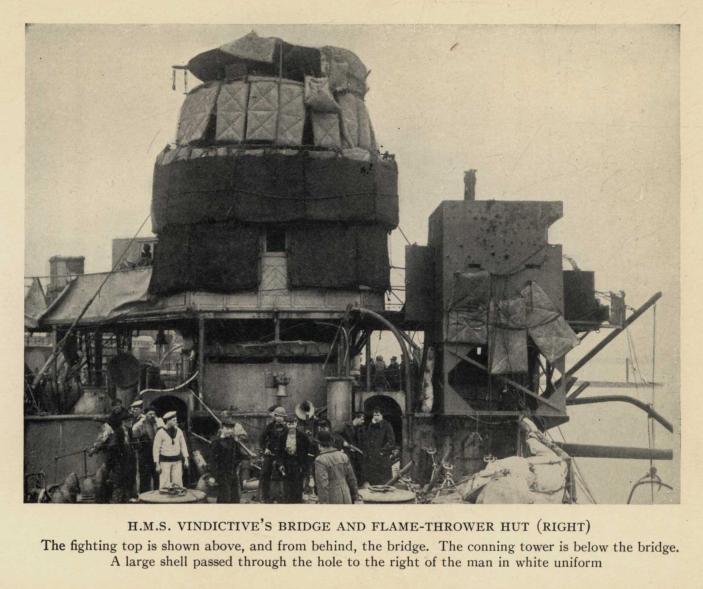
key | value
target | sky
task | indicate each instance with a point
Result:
(588, 115)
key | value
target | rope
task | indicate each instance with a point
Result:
(403, 234)
(650, 422)
(580, 480)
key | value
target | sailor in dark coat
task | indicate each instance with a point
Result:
(273, 430)
(120, 463)
(324, 425)
(226, 454)
(378, 447)
(292, 456)
(354, 440)
(144, 427)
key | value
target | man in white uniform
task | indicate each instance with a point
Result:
(170, 452)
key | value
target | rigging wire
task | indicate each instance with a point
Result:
(579, 478)
(403, 234)
(654, 388)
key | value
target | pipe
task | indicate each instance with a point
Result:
(405, 354)
(653, 413)
(595, 451)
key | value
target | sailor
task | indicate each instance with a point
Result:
(144, 428)
(354, 439)
(276, 428)
(324, 425)
(293, 455)
(379, 374)
(226, 454)
(145, 256)
(378, 447)
(170, 453)
(393, 375)
(334, 476)
(119, 461)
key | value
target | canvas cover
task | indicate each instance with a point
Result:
(195, 113)
(291, 115)
(262, 110)
(232, 111)
(350, 122)
(275, 188)
(507, 340)
(120, 292)
(335, 256)
(318, 95)
(252, 54)
(468, 308)
(344, 69)
(252, 47)
(546, 326)
(356, 123)
(216, 257)
(325, 129)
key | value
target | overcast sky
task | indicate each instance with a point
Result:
(586, 115)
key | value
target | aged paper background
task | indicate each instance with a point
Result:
(24, 565)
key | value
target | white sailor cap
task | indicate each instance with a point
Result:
(139, 403)
(169, 415)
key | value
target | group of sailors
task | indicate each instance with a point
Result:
(302, 453)
(383, 377)
(145, 452)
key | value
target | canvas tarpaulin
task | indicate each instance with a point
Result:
(252, 47)
(546, 326)
(273, 56)
(291, 115)
(318, 95)
(335, 256)
(217, 257)
(120, 292)
(195, 113)
(274, 188)
(231, 112)
(356, 123)
(507, 340)
(259, 110)
(344, 69)
(468, 308)
(325, 129)
(262, 111)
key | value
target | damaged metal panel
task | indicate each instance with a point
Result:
(419, 283)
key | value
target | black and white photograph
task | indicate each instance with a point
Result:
(352, 264)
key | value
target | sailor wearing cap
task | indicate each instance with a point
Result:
(144, 427)
(170, 452)
(226, 454)
(275, 429)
